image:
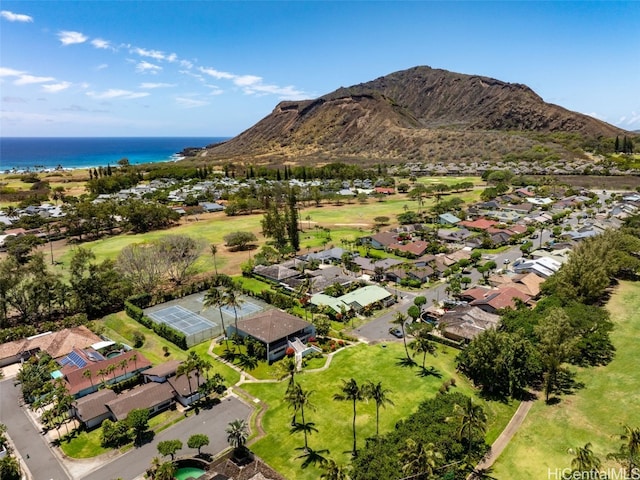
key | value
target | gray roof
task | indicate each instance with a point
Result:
(272, 325)
(94, 405)
(144, 396)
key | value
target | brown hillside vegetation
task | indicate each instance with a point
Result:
(417, 114)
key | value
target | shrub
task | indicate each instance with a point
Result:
(138, 339)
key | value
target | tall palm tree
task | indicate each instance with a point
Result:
(423, 344)
(233, 300)
(400, 319)
(237, 433)
(471, 420)
(123, 365)
(584, 459)
(186, 367)
(419, 458)
(88, 374)
(287, 367)
(112, 369)
(103, 373)
(351, 391)
(134, 359)
(380, 395)
(214, 249)
(300, 398)
(215, 298)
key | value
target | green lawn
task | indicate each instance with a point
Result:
(119, 327)
(594, 414)
(333, 419)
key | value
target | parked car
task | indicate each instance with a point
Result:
(396, 332)
(506, 261)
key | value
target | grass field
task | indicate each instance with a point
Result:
(333, 419)
(594, 414)
(345, 222)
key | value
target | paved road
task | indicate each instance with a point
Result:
(42, 463)
(378, 328)
(211, 422)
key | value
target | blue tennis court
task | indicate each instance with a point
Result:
(245, 309)
(182, 320)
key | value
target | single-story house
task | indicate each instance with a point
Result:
(464, 323)
(331, 255)
(153, 396)
(275, 273)
(160, 373)
(414, 248)
(211, 207)
(78, 383)
(276, 329)
(502, 298)
(369, 266)
(57, 344)
(448, 219)
(92, 410)
(379, 241)
(365, 296)
(186, 387)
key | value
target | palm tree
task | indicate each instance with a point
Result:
(351, 391)
(88, 374)
(333, 471)
(380, 395)
(165, 471)
(630, 450)
(214, 249)
(237, 433)
(233, 300)
(312, 457)
(419, 458)
(584, 460)
(471, 420)
(214, 298)
(123, 364)
(103, 373)
(112, 369)
(423, 344)
(186, 367)
(287, 367)
(400, 319)
(134, 359)
(299, 398)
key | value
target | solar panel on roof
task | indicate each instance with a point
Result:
(77, 360)
(64, 361)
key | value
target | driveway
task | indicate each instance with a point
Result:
(41, 460)
(44, 464)
(212, 422)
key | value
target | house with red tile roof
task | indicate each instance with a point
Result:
(479, 224)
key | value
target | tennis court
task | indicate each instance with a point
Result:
(189, 316)
(195, 327)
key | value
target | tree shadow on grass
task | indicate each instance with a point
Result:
(566, 383)
(429, 372)
(312, 457)
(406, 362)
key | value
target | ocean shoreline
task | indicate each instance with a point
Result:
(20, 155)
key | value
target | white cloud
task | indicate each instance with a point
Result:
(632, 119)
(212, 72)
(56, 87)
(146, 67)
(100, 43)
(155, 54)
(102, 66)
(186, 64)
(247, 80)
(187, 102)
(172, 58)
(148, 85)
(15, 17)
(71, 38)
(25, 79)
(10, 72)
(284, 93)
(117, 93)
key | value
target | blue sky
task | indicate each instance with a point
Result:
(205, 68)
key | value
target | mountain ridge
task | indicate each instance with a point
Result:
(420, 112)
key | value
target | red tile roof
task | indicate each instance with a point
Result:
(479, 224)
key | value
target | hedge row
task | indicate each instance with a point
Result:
(446, 341)
(162, 329)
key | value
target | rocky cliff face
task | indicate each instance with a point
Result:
(420, 113)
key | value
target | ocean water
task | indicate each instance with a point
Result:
(19, 153)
